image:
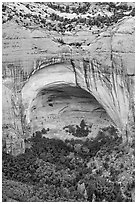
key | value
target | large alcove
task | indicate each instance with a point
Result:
(60, 106)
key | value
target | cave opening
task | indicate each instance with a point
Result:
(67, 112)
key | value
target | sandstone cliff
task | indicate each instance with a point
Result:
(102, 64)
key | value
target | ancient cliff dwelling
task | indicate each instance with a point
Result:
(68, 119)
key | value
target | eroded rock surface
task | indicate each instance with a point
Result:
(58, 107)
(53, 100)
(24, 52)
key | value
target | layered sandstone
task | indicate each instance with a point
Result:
(97, 74)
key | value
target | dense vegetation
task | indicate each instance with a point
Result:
(53, 170)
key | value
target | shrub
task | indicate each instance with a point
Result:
(79, 131)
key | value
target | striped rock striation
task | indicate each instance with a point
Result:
(53, 86)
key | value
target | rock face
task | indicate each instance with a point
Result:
(24, 47)
(98, 74)
(53, 100)
(6, 105)
(113, 44)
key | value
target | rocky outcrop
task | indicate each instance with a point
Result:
(98, 70)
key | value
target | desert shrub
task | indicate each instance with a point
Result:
(79, 131)
(61, 41)
(44, 131)
(3, 7)
(133, 12)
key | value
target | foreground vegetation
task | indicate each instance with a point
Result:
(53, 170)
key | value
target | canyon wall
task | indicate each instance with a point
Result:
(100, 77)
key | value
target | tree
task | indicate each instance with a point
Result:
(133, 12)
(130, 8)
(67, 9)
(28, 6)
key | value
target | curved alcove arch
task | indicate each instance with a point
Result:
(53, 100)
(46, 77)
